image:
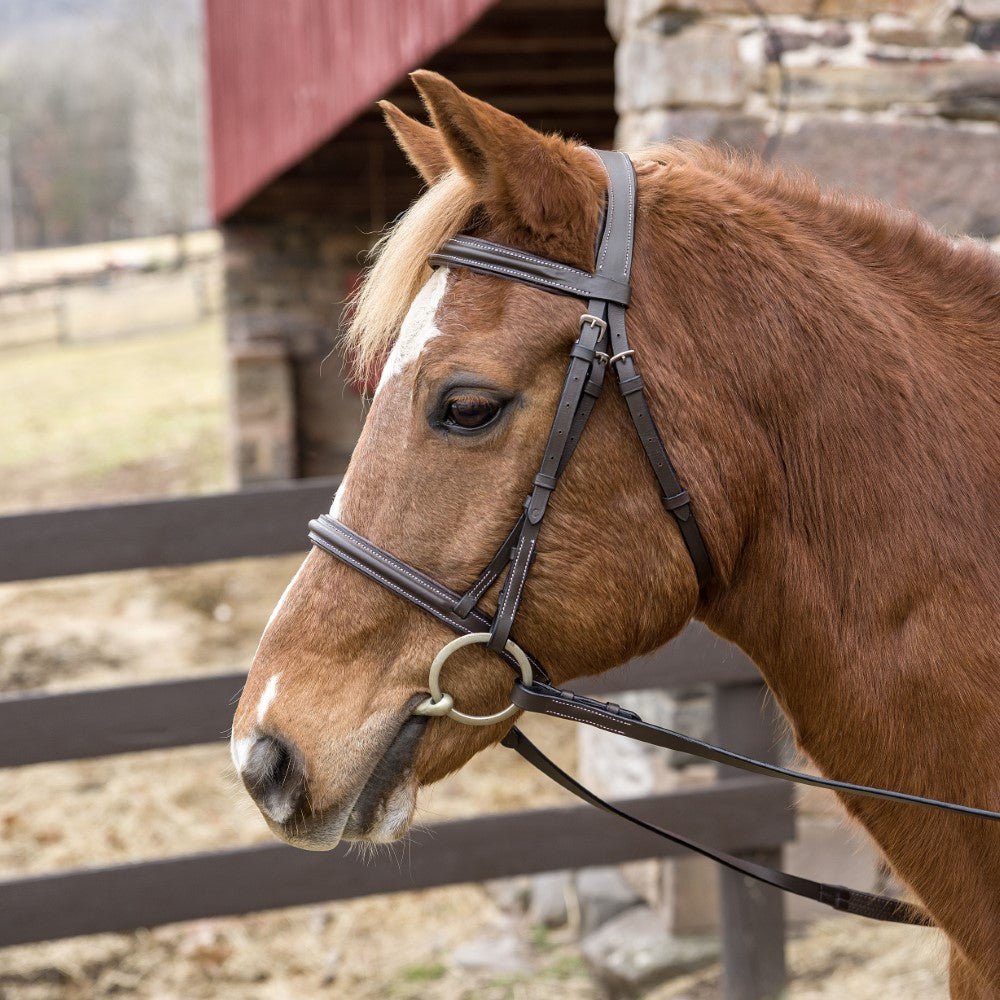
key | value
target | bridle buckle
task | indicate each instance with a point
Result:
(620, 356)
(612, 359)
(595, 321)
(588, 319)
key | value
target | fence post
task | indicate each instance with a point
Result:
(62, 312)
(752, 915)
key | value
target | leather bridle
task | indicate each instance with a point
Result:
(602, 345)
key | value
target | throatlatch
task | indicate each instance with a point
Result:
(602, 344)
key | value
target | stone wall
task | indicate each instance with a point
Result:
(286, 279)
(895, 98)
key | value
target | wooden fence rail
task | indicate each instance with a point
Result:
(97, 722)
(267, 521)
(750, 815)
(747, 816)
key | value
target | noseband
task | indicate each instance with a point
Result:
(602, 344)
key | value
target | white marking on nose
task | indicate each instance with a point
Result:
(238, 750)
(270, 690)
(418, 327)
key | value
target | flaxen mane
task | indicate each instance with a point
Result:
(399, 268)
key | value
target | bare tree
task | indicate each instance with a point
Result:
(162, 52)
(104, 100)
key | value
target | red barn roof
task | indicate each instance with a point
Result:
(286, 76)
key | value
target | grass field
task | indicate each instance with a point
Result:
(94, 422)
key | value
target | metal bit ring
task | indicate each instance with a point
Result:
(440, 703)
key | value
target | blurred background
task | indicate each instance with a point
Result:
(187, 192)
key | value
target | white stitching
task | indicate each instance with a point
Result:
(531, 279)
(519, 275)
(611, 216)
(478, 589)
(527, 567)
(531, 258)
(506, 600)
(480, 586)
(577, 706)
(587, 708)
(631, 221)
(611, 219)
(597, 725)
(385, 558)
(386, 582)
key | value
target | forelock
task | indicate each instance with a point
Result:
(398, 269)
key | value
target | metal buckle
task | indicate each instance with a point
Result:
(620, 357)
(594, 321)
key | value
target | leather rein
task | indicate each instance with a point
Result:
(602, 345)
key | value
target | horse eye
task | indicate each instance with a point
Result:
(470, 412)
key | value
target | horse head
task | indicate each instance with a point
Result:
(471, 366)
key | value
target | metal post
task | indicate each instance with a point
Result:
(752, 915)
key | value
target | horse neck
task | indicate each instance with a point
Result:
(836, 431)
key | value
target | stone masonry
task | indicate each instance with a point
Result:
(286, 280)
(899, 99)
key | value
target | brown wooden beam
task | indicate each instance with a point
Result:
(584, 44)
(262, 521)
(43, 727)
(526, 104)
(743, 815)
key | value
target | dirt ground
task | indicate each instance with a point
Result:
(147, 417)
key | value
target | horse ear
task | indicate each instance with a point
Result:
(543, 180)
(421, 143)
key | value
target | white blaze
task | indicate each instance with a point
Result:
(418, 327)
(417, 331)
(240, 748)
(267, 697)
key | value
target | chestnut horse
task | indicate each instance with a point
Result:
(824, 374)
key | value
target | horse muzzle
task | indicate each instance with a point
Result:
(379, 809)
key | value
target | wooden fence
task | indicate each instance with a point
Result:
(744, 815)
(111, 305)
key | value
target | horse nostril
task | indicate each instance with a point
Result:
(275, 777)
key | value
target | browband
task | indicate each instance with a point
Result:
(517, 265)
